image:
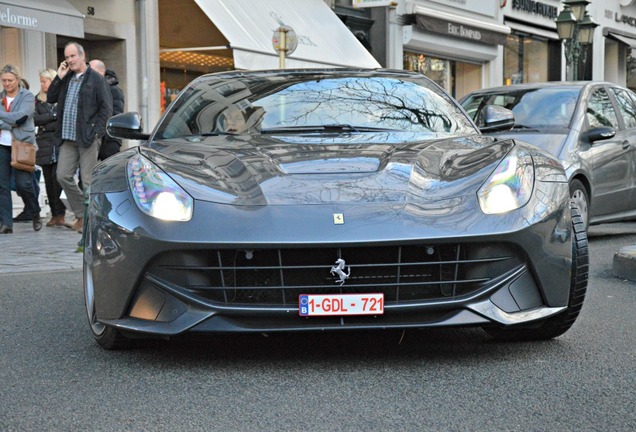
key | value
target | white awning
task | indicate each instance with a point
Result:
(323, 40)
(630, 42)
(531, 30)
(49, 16)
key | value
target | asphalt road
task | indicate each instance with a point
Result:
(53, 377)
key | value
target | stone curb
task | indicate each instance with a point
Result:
(624, 265)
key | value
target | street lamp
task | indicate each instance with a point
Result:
(576, 29)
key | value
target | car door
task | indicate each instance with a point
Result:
(611, 159)
(626, 100)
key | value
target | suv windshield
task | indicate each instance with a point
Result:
(538, 108)
(311, 103)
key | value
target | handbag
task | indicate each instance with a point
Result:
(23, 155)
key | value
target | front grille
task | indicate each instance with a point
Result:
(276, 277)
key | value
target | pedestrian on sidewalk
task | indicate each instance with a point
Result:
(16, 121)
(25, 215)
(84, 105)
(110, 145)
(45, 118)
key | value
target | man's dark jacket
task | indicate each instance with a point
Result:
(116, 93)
(94, 105)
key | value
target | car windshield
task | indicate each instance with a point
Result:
(537, 108)
(311, 103)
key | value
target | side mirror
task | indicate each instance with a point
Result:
(600, 133)
(126, 126)
(496, 118)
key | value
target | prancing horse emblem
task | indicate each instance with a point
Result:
(339, 270)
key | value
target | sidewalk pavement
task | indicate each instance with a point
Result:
(50, 249)
(55, 249)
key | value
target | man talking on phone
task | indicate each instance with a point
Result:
(84, 105)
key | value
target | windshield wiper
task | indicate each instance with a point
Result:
(323, 128)
(216, 133)
(522, 126)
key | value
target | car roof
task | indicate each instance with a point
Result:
(549, 84)
(318, 71)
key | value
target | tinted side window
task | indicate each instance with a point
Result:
(626, 107)
(600, 111)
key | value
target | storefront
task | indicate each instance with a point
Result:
(24, 26)
(532, 52)
(33, 34)
(615, 41)
(202, 36)
(455, 43)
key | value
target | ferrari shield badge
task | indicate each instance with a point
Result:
(338, 218)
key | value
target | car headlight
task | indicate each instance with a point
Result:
(509, 187)
(155, 193)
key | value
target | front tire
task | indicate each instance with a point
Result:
(107, 337)
(580, 197)
(559, 324)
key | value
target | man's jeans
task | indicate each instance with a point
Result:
(72, 157)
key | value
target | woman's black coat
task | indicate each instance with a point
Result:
(45, 118)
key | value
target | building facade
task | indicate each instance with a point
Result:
(533, 51)
(158, 46)
(614, 56)
(34, 32)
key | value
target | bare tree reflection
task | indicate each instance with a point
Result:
(378, 102)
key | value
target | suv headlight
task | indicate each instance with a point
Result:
(509, 187)
(155, 193)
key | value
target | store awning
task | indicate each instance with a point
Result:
(461, 27)
(323, 40)
(49, 16)
(532, 30)
(630, 42)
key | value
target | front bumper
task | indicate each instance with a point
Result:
(125, 248)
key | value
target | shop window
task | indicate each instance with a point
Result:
(457, 78)
(530, 59)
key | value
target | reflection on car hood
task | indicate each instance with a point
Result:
(286, 170)
(550, 142)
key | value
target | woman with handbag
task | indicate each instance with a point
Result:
(45, 118)
(16, 123)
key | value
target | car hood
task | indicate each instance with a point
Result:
(551, 142)
(289, 170)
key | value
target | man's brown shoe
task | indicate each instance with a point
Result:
(53, 222)
(78, 225)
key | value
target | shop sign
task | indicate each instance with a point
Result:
(535, 7)
(625, 19)
(65, 21)
(10, 18)
(461, 31)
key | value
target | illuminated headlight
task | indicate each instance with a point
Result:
(509, 187)
(155, 193)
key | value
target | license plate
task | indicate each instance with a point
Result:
(340, 304)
